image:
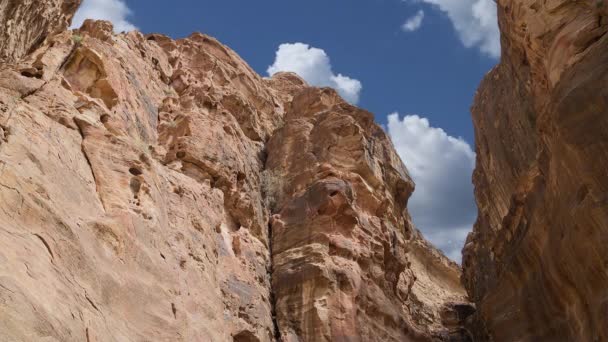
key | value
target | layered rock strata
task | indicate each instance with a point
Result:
(536, 262)
(347, 263)
(160, 190)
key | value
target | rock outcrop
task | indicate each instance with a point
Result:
(535, 264)
(24, 24)
(160, 190)
(347, 263)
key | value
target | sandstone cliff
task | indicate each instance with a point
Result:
(24, 24)
(160, 190)
(536, 261)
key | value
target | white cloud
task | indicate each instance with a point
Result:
(442, 206)
(414, 23)
(115, 11)
(475, 22)
(313, 65)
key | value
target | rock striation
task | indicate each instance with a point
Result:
(535, 264)
(160, 190)
(348, 265)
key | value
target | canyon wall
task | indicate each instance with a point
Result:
(536, 262)
(25, 24)
(160, 190)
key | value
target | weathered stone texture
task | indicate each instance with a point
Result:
(535, 263)
(24, 24)
(347, 263)
(160, 190)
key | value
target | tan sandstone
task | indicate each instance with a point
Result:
(160, 190)
(25, 24)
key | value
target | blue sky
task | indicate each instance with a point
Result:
(423, 57)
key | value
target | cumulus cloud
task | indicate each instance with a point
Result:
(115, 11)
(313, 65)
(413, 23)
(475, 21)
(442, 206)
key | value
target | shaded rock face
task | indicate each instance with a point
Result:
(160, 190)
(536, 261)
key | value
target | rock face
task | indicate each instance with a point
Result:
(160, 190)
(536, 262)
(347, 263)
(24, 24)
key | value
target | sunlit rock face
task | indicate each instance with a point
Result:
(536, 261)
(348, 265)
(160, 190)
(24, 24)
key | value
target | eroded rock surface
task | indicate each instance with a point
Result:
(24, 24)
(347, 263)
(160, 190)
(536, 262)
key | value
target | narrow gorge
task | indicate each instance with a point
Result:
(154, 189)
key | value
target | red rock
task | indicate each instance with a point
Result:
(161, 190)
(535, 262)
(24, 24)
